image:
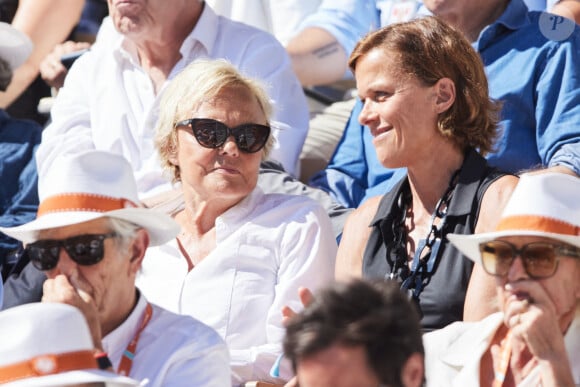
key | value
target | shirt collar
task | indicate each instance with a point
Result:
(117, 340)
(242, 210)
(204, 32)
(458, 355)
(472, 171)
(514, 17)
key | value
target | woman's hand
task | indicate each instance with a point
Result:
(306, 298)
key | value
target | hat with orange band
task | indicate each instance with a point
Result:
(49, 344)
(544, 205)
(87, 186)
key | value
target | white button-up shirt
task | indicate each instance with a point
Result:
(267, 247)
(108, 101)
(453, 354)
(172, 350)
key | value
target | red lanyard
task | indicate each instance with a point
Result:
(501, 370)
(127, 359)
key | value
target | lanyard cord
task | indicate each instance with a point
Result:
(127, 360)
(500, 371)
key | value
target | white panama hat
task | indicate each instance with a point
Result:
(87, 186)
(49, 344)
(15, 46)
(543, 205)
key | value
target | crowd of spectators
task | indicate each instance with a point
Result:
(298, 193)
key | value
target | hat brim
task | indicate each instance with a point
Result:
(160, 226)
(468, 245)
(76, 377)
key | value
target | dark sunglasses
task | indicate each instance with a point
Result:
(540, 259)
(210, 133)
(85, 250)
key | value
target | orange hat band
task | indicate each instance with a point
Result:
(537, 223)
(48, 365)
(82, 202)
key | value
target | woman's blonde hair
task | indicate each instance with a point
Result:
(199, 82)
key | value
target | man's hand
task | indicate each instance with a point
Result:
(51, 69)
(534, 321)
(70, 291)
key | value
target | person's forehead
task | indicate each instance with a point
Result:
(337, 365)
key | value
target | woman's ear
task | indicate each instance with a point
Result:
(445, 94)
(172, 153)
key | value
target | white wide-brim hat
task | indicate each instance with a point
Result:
(15, 46)
(87, 186)
(543, 205)
(49, 344)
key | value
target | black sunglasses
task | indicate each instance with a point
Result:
(210, 133)
(540, 259)
(85, 250)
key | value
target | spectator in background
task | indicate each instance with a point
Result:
(55, 65)
(89, 239)
(534, 257)
(541, 100)
(242, 253)
(46, 23)
(18, 142)
(110, 97)
(356, 334)
(50, 345)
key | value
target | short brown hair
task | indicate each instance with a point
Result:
(428, 49)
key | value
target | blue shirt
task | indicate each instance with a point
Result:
(18, 191)
(536, 78)
(350, 20)
(346, 20)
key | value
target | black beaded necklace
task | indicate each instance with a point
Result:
(414, 279)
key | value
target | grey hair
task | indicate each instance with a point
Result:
(200, 81)
(126, 231)
(5, 74)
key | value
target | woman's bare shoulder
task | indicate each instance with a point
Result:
(354, 240)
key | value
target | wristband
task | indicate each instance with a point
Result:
(103, 361)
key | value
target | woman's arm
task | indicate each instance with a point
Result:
(46, 23)
(354, 240)
(480, 300)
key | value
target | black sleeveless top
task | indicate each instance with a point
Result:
(442, 298)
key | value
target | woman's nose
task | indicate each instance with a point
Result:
(367, 114)
(230, 147)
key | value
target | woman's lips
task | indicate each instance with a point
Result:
(380, 131)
